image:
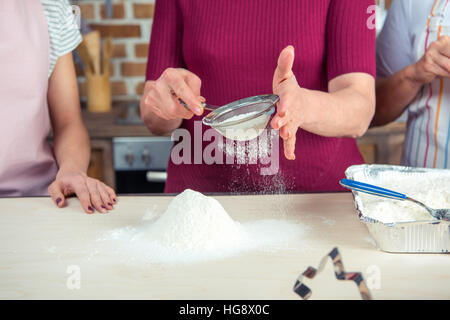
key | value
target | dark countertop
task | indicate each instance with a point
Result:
(104, 125)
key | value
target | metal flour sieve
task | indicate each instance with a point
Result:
(243, 119)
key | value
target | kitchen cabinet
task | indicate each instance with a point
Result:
(102, 128)
(383, 145)
(101, 163)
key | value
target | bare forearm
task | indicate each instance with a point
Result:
(344, 113)
(394, 94)
(71, 144)
(71, 140)
(72, 147)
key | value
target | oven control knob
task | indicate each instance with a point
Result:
(129, 158)
(146, 157)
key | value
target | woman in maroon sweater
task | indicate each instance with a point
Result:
(318, 56)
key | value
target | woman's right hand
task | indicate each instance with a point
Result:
(434, 63)
(161, 96)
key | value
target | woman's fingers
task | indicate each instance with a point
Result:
(287, 118)
(284, 67)
(289, 148)
(193, 81)
(183, 92)
(169, 105)
(152, 99)
(164, 95)
(106, 199)
(285, 133)
(289, 138)
(162, 101)
(56, 194)
(94, 194)
(82, 193)
(280, 119)
(288, 134)
(111, 193)
(182, 109)
(176, 81)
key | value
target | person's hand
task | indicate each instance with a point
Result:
(161, 96)
(92, 193)
(434, 63)
(288, 116)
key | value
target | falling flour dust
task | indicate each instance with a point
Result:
(196, 228)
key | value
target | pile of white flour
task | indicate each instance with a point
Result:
(195, 223)
(196, 228)
(433, 192)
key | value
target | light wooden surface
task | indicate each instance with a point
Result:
(38, 243)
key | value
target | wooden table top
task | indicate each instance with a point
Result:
(42, 248)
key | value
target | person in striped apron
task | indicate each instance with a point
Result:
(38, 92)
(413, 74)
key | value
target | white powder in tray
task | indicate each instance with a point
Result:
(197, 228)
(432, 191)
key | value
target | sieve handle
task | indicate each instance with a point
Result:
(204, 105)
(371, 189)
(208, 107)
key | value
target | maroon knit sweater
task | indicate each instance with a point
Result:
(233, 46)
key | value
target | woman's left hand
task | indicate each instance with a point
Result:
(289, 116)
(92, 193)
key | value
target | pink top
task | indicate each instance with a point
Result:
(27, 165)
(233, 46)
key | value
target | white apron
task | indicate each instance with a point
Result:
(428, 134)
(27, 165)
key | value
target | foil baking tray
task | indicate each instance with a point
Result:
(428, 236)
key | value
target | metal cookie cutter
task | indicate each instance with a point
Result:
(304, 292)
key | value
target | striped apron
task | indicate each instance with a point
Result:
(428, 134)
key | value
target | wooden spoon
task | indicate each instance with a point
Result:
(107, 51)
(92, 40)
(86, 57)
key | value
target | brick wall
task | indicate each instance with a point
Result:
(130, 28)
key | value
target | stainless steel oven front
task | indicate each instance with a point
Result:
(140, 164)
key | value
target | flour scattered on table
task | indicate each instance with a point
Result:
(327, 221)
(196, 228)
(370, 240)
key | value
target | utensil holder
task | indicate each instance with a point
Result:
(98, 92)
